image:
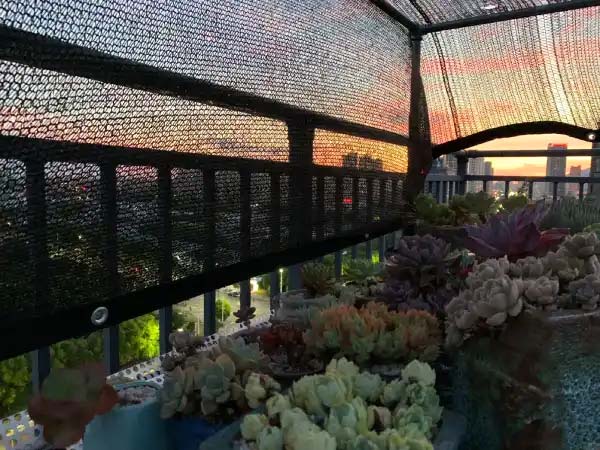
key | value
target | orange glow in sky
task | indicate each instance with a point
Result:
(532, 166)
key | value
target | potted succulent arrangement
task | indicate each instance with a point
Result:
(299, 306)
(374, 337)
(76, 404)
(527, 332)
(345, 409)
(365, 278)
(207, 390)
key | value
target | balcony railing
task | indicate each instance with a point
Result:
(443, 187)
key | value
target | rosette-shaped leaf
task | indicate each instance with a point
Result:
(270, 438)
(490, 269)
(393, 393)
(342, 368)
(178, 385)
(424, 260)
(586, 291)
(542, 292)
(498, 299)
(364, 443)
(458, 312)
(401, 440)
(515, 235)
(244, 356)
(582, 245)
(213, 380)
(312, 439)
(341, 424)
(426, 397)
(418, 372)
(304, 395)
(413, 421)
(252, 425)
(528, 268)
(565, 267)
(368, 386)
(332, 391)
(318, 279)
(277, 404)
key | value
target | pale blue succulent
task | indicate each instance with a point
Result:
(252, 425)
(419, 372)
(393, 393)
(304, 395)
(368, 386)
(270, 438)
(426, 397)
(277, 404)
(332, 390)
(342, 368)
(413, 421)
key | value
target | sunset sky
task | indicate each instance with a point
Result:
(532, 166)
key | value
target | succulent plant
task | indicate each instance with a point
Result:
(213, 381)
(295, 308)
(361, 272)
(582, 245)
(258, 388)
(176, 392)
(572, 214)
(528, 268)
(490, 269)
(252, 425)
(421, 259)
(513, 203)
(245, 356)
(69, 399)
(593, 228)
(498, 299)
(430, 211)
(185, 342)
(586, 291)
(566, 268)
(542, 292)
(516, 235)
(373, 332)
(317, 278)
(472, 207)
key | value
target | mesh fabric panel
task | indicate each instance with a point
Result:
(342, 57)
(435, 11)
(535, 69)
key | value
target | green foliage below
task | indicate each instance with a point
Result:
(472, 207)
(223, 311)
(14, 384)
(359, 271)
(573, 214)
(593, 228)
(513, 202)
(430, 211)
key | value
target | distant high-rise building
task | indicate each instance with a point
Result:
(573, 188)
(556, 166)
(476, 167)
(438, 167)
(489, 170)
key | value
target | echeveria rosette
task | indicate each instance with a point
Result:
(342, 424)
(252, 425)
(497, 300)
(586, 291)
(332, 390)
(564, 266)
(418, 372)
(393, 393)
(368, 386)
(178, 385)
(213, 381)
(342, 368)
(542, 292)
(270, 438)
(413, 421)
(490, 269)
(528, 268)
(245, 356)
(515, 235)
(277, 404)
(303, 394)
(426, 397)
(399, 440)
(582, 245)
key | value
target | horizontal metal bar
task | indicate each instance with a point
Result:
(27, 332)
(43, 52)
(528, 153)
(22, 148)
(536, 179)
(396, 15)
(509, 15)
(441, 177)
(515, 129)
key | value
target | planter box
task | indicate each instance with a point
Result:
(534, 386)
(449, 437)
(128, 427)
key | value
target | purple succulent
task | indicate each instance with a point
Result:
(515, 235)
(403, 295)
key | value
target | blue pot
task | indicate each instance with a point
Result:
(128, 427)
(189, 432)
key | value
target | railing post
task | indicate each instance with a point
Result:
(165, 200)
(209, 203)
(530, 190)
(381, 242)
(320, 220)
(451, 189)
(581, 190)
(245, 232)
(339, 205)
(554, 191)
(462, 163)
(35, 191)
(108, 187)
(485, 186)
(444, 192)
(275, 225)
(506, 189)
(382, 196)
(301, 137)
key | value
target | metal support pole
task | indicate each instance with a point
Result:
(462, 164)
(295, 277)
(165, 317)
(530, 190)
(485, 186)
(554, 192)
(275, 227)
(581, 190)
(506, 189)
(337, 267)
(245, 233)
(381, 245)
(210, 298)
(35, 192)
